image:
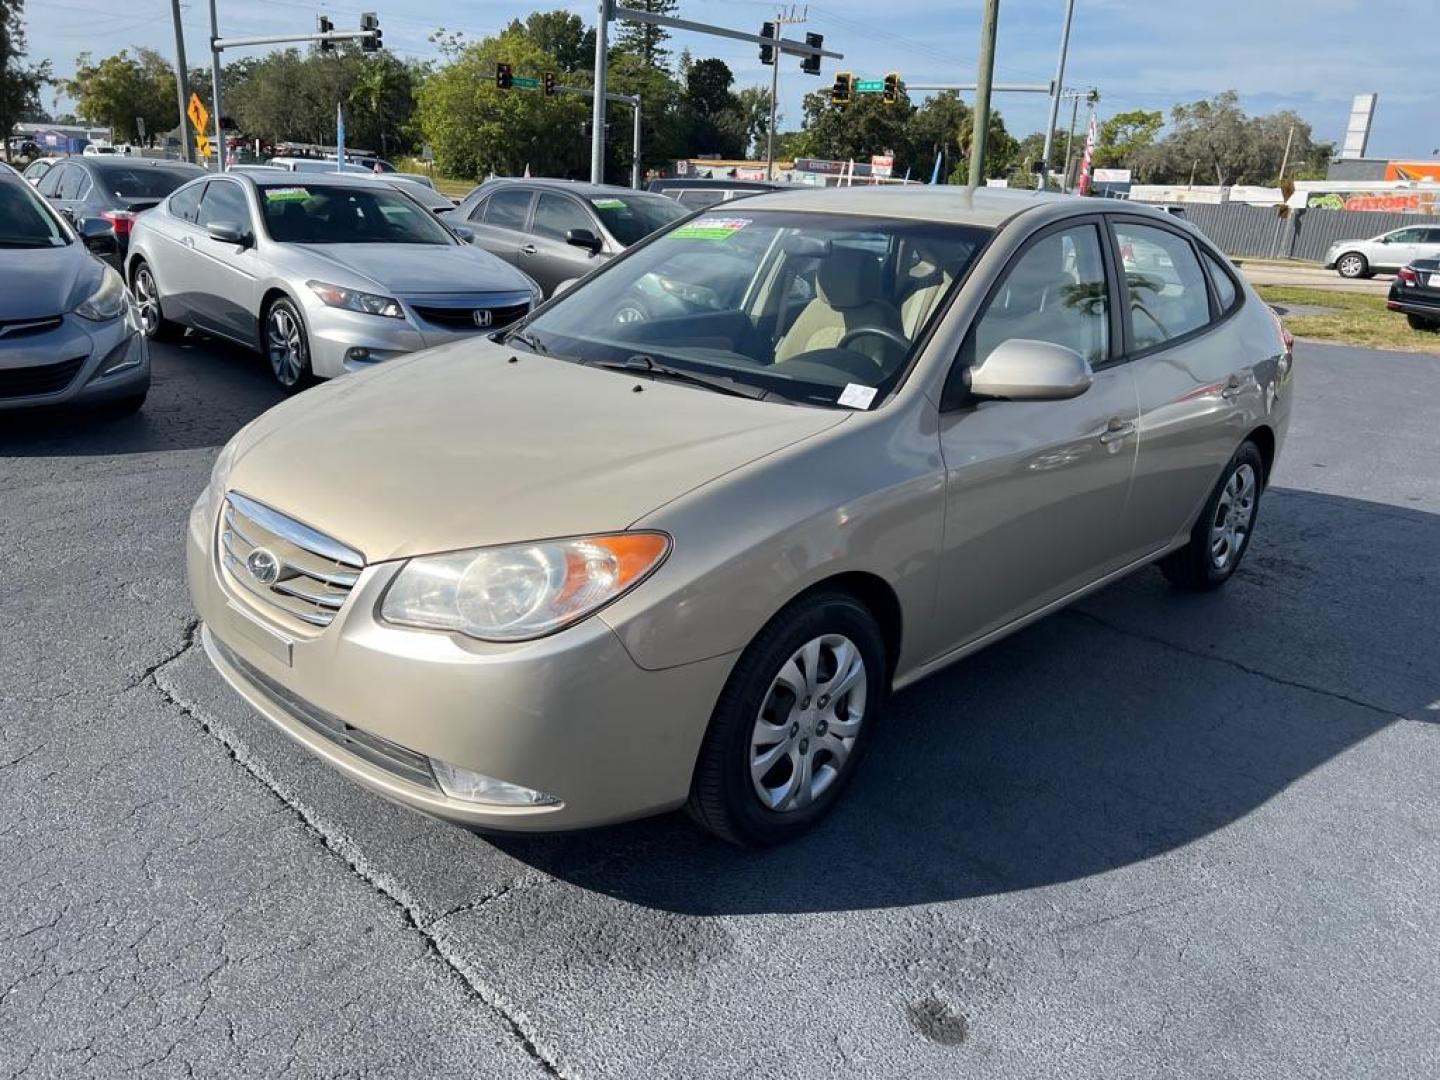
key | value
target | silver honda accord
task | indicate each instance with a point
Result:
(322, 273)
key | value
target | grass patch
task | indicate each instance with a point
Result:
(1358, 319)
(456, 189)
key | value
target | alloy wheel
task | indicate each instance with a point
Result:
(285, 344)
(1351, 266)
(808, 723)
(1233, 516)
(147, 300)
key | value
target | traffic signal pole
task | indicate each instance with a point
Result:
(981, 118)
(182, 84)
(774, 98)
(597, 112)
(215, 87)
(1055, 95)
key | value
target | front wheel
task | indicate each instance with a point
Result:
(1352, 265)
(286, 347)
(792, 723)
(1222, 535)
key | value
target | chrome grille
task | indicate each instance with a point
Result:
(284, 563)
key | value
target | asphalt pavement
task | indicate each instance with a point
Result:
(1156, 835)
(1311, 276)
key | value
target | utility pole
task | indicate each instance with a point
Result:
(986, 75)
(215, 87)
(1070, 138)
(1285, 161)
(635, 160)
(1055, 96)
(182, 85)
(597, 112)
(782, 20)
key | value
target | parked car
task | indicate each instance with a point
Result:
(699, 193)
(323, 274)
(596, 569)
(1416, 292)
(113, 189)
(558, 230)
(1386, 252)
(68, 332)
(96, 149)
(418, 178)
(426, 196)
(315, 165)
(36, 170)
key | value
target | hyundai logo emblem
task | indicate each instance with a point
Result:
(264, 567)
(484, 316)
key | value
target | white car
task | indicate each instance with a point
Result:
(94, 149)
(1386, 252)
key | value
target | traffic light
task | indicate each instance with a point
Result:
(844, 88)
(892, 88)
(323, 25)
(548, 81)
(767, 51)
(810, 65)
(504, 77)
(370, 21)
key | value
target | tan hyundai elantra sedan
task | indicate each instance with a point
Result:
(675, 539)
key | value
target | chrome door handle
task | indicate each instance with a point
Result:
(529, 249)
(1116, 430)
(1232, 388)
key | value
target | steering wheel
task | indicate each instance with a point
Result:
(874, 331)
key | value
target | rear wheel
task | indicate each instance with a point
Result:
(1420, 322)
(286, 346)
(1222, 534)
(153, 323)
(792, 723)
(1352, 265)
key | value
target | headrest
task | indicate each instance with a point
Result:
(848, 278)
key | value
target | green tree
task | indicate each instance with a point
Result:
(562, 35)
(645, 40)
(865, 127)
(120, 89)
(20, 83)
(1216, 141)
(1125, 138)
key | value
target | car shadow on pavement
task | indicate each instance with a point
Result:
(1136, 723)
(202, 391)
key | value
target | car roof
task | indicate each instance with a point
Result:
(286, 178)
(126, 161)
(582, 188)
(988, 207)
(715, 184)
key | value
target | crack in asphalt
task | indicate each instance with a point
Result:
(192, 633)
(347, 851)
(1278, 680)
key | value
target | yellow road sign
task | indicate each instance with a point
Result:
(202, 146)
(199, 115)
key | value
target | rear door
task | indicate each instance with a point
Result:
(548, 258)
(1194, 376)
(499, 222)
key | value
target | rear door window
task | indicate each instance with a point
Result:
(1166, 292)
(508, 209)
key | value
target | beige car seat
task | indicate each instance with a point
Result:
(847, 297)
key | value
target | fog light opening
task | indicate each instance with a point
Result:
(476, 787)
(358, 355)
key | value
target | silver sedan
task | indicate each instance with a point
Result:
(323, 274)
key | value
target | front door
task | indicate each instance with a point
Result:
(547, 257)
(225, 297)
(1036, 492)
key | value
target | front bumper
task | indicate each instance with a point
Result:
(570, 715)
(76, 363)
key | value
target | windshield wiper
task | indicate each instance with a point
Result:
(644, 364)
(529, 340)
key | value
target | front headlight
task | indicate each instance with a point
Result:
(220, 477)
(355, 300)
(521, 591)
(107, 301)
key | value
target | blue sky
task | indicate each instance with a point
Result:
(1309, 55)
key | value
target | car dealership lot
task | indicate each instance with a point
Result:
(1158, 834)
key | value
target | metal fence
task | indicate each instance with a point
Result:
(1240, 229)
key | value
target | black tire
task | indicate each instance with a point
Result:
(1420, 322)
(156, 327)
(1353, 265)
(723, 798)
(290, 365)
(1196, 567)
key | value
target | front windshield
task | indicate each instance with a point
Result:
(143, 182)
(318, 213)
(25, 222)
(807, 306)
(630, 218)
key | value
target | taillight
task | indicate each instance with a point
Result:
(1407, 275)
(120, 220)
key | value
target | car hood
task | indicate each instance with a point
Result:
(45, 281)
(406, 269)
(458, 447)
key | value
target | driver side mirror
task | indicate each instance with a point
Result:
(230, 232)
(1024, 370)
(462, 233)
(584, 238)
(98, 236)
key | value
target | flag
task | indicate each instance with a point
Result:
(935, 172)
(339, 139)
(1083, 186)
